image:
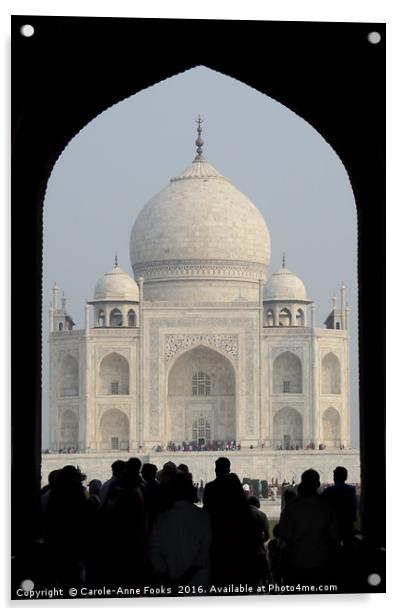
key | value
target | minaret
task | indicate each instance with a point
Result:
(55, 292)
(312, 312)
(343, 306)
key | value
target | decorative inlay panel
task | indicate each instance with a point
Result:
(175, 343)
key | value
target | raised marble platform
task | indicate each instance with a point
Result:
(255, 464)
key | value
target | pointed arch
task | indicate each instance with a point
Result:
(330, 374)
(331, 427)
(201, 386)
(287, 374)
(287, 428)
(68, 430)
(114, 376)
(115, 430)
(69, 377)
(131, 318)
(116, 318)
(285, 318)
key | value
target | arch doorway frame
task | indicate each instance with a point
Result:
(204, 401)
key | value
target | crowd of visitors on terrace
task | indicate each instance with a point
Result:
(150, 526)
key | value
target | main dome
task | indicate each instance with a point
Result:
(200, 226)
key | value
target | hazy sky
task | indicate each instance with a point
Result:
(127, 154)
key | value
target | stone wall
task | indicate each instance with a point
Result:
(255, 464)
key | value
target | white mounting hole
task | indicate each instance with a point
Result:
(27, 585)
(27, 30)
(374, 37)
(374, 579)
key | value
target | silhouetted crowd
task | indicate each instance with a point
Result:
(153, 527)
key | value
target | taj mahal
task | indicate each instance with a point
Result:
(202, 345)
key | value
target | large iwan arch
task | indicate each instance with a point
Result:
(201, 393)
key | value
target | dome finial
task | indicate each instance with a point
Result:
(116, 262)
(283, 261)
(199, 141)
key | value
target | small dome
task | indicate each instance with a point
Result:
(284, 285)
(116, 285)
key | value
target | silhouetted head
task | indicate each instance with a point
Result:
(70, 474)
(253, 500)
(149, 472)
(94, 487)
(168, 471)
(53, 476)
(310, 482)
(134, 465)
(222, 467)
(340, 474)
(118, 467)
(181, 487)
(183, 468)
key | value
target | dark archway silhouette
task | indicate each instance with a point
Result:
(326, 73)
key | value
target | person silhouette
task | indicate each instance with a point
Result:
(211, 496)
(308, 533)
(181, 538)
(343, 498)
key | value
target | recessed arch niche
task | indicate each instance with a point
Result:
(201, 401)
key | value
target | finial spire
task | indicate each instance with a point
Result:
(116, 263)
(283, 261)
(199, 141)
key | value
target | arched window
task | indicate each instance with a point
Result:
(285, 319)
(270, 318)
(69, 377)
(60, 327)
(287, 374)
(116, 319)
(331, 374)
(131, 318)
(201, 384)
(101, 318)
(114, 376)
(300, 318)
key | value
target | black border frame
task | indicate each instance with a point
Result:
(73, 68)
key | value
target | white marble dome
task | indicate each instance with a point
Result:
(200, 221)
(116, 285)
(284, 285)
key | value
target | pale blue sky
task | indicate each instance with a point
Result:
(123, 157)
